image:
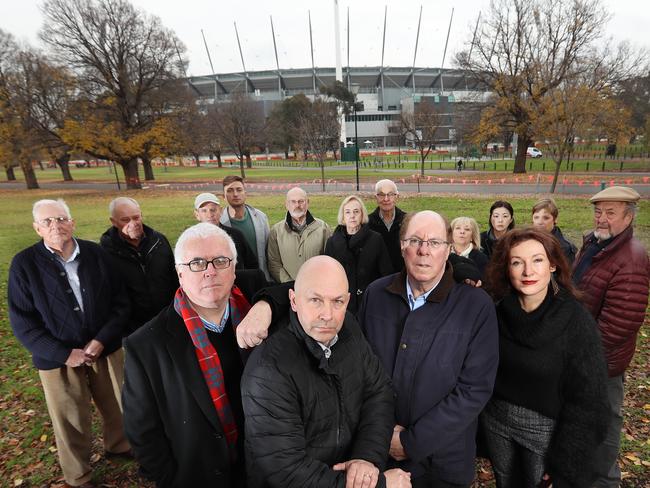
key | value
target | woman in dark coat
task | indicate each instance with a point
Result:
(545, 214)
(548, 412)
(502, 219)
(361, 251)
(465, 240)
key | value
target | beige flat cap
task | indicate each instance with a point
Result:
(616, 194)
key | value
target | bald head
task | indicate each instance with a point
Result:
(297, 204)
(126, 217)
(320, 298)
(429, 219)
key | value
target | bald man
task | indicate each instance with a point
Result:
(295, 239)
(144, 260)
(318, 405)
(439, 341)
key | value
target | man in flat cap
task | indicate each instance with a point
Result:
(612, 270)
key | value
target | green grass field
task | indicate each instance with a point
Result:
(26, 439)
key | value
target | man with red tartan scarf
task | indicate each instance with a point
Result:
(182, 402)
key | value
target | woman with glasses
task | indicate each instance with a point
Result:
(548, 412)
(502, 219)
(361, 251)
(466, 241)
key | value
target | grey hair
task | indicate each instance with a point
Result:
(381, 183)
(353, 198)
(40, 203)
(202, 230)
(119, 200)
(632, 208)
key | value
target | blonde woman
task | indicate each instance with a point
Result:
(465, 239)
(361, 251)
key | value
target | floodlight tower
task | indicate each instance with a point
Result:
(339, 68)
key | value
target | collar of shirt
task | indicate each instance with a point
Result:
(218, 328)
(387, 223)
(416, 303)
(72, 257)
(328, 349)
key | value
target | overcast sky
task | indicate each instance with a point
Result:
(630, 21)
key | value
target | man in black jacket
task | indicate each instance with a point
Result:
(181, 397)
(387, 220)
(318, 405)
(208, 209)
(144, 260)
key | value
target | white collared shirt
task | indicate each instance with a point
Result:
(71, 266)
(328, 349)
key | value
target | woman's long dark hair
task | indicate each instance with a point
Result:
(497, 276)
(508, 207)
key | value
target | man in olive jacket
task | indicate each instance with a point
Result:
(318, 405)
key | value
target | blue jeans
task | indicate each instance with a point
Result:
(609, 473)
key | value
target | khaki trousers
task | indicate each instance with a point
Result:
(68, 393)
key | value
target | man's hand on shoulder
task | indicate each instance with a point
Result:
(359, 473)
(396, 478)
(92, 351)
(254, 328)
(76, 358)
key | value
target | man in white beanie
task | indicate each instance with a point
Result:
(612, 270)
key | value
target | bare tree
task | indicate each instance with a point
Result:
(318, 131)
(283, 121)
(124, 59)
(240, 124)
(525, 48)
(420, 124)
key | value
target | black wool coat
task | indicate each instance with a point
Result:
(363, 256)
(148, 273)
(391, 237)
(169, 417)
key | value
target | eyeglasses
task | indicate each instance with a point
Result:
(381, 196)
(50, 220)
(200, 264)
(415, 243)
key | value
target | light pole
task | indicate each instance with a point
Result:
(354, 88)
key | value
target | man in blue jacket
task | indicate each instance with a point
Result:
(68, 307)
(439, 341)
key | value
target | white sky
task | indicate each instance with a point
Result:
(630, 20)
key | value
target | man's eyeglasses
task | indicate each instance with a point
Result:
(381, 196)
(50, 220)
(415, 243)
(200, 264)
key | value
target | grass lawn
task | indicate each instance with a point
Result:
(27, 453)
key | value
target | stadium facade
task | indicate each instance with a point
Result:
(385, 93)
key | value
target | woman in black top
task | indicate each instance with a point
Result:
(465, 240)
(502, 219)
(361, 251)
(548, 410)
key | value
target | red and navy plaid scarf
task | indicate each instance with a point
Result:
(209, 359)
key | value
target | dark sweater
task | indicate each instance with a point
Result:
(391, 237)
(551, 361)
(44, 312)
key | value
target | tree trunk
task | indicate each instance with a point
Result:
(322, 174)
(130, 167)
(286, 153)
(219, 163)
(148, 169)
(40, 165)
(64, 164)
(520, 160)
(197, 159)
(556, 175)
(11, 175)
(241, 166)
(30, 175)
(422, 165)
(249, 163)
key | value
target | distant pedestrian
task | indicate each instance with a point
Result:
(459, 165)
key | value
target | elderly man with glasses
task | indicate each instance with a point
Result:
(182, 402)
(438, 340)
(68, 307)
(387, 219)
